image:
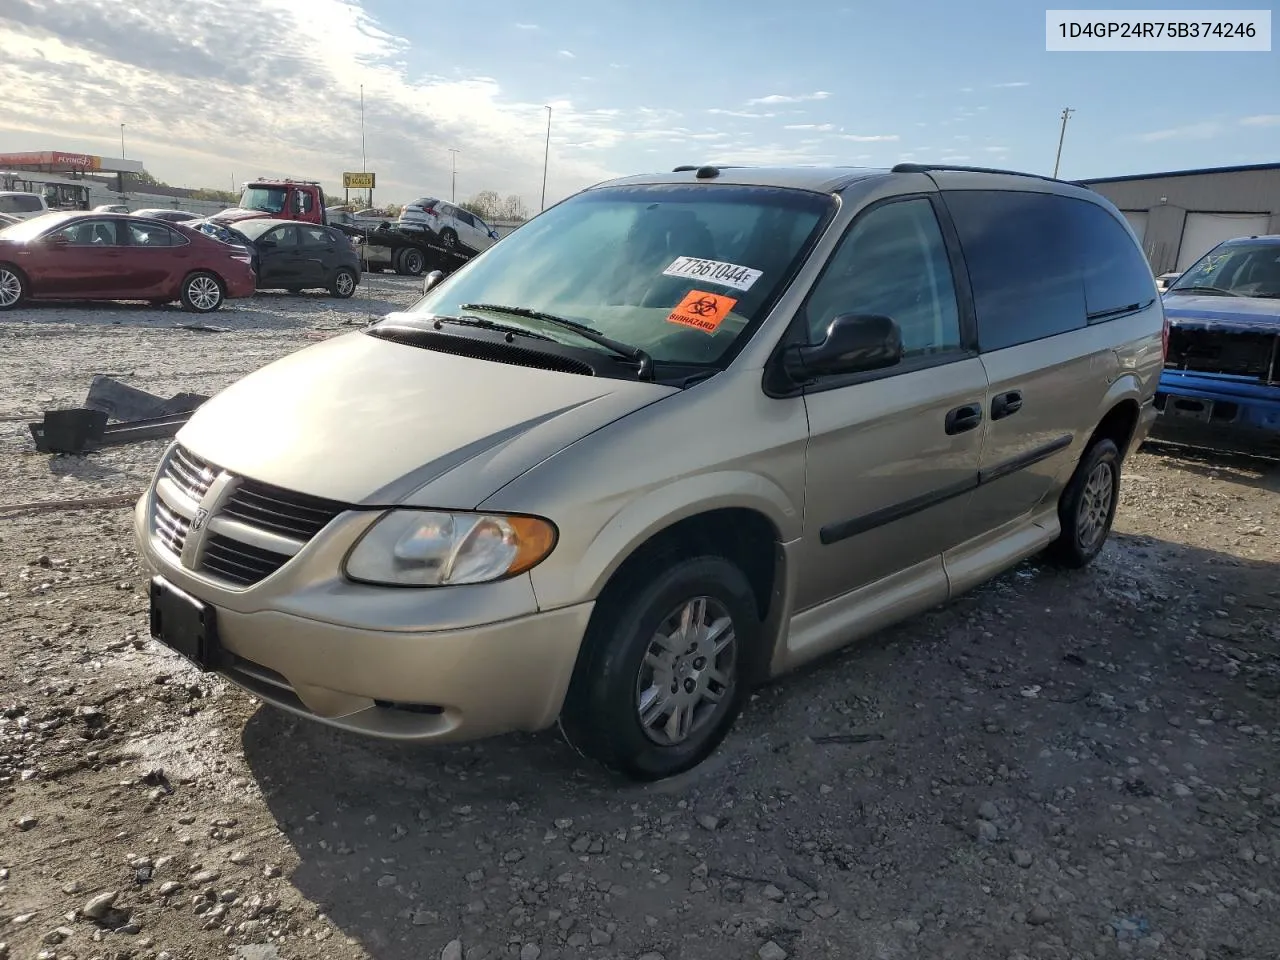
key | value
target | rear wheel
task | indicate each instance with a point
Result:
(344, 283)
(202, 292)
(397, 262)
(413, 262)
(13, 287)
(1088, 506)
(661, 678)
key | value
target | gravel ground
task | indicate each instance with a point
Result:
(1053, 766)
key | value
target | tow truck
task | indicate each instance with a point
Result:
(383, 248)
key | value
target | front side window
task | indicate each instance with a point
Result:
(283, 236)
(91, 233)
(1234, 269)
(305, 202)
(683, 272)
(893, 263)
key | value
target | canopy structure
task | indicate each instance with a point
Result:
(57, 161)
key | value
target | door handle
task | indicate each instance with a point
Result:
(1006, 404)
(963, 419)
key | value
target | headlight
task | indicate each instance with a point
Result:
(421, 548)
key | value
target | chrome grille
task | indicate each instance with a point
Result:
(252, 529)
(170, 528)
(280, 511)
(239, 562)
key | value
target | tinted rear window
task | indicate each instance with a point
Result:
(20, 203)
(1021, 257)
(1117, 277)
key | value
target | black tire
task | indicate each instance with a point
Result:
(202, 292)
(449, 238)
(1087, 510)
(13, 286)
(601, 715)
(397, 262)
(343, 284)
(412, 262)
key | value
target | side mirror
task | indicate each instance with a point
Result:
(431, 279)
(855, 343)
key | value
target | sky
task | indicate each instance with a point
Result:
(213, 92)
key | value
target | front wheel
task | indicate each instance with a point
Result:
(661, 677)
(344, 284)
(12, 287)
(202, 293)
(1087, 508)
(449, 238)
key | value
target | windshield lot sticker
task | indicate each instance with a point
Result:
(713, 271)
(701, 310)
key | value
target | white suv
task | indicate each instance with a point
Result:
(24, 206)
(453, 225)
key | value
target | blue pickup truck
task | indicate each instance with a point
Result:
(1221, 383)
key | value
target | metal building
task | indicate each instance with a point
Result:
(1181, 216)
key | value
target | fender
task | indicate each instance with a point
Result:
(647, 515)
(1127, 386)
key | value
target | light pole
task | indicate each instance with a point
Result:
(1066, 113)
(546, 156)
(122, 141)
(453, 190)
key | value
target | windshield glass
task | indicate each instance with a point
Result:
(679, 271)
(268, 199)
(1239, 269)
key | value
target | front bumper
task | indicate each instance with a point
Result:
(1218, 411)
(407, 664)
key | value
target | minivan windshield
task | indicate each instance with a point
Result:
(1234, 270)
(682, 272)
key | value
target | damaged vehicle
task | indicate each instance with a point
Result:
(678, 435)
(1221, 384)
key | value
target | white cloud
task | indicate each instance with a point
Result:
(1261, 120)
(527, 26)
(567, 54)
(966, 89)
(785, 98)
(1191, 131)
(205, 102)
(1016, 83)
(818, 127)
(875, 138)
(746, 114)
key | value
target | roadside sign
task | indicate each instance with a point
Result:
(358, 181)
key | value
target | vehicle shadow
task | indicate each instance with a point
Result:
(855, 778)
(1252, 470)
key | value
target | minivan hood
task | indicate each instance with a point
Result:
(366, 421)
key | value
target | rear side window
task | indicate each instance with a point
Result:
(150, 235)
(1020, 251)
(20, 203)
(1117, 277)
(316, 237)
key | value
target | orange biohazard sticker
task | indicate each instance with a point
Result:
(701, 310)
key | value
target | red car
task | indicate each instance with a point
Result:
(102, 256)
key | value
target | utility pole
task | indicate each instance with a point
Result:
(546, 156)
(122, 141)
(364, 152)
(1066, 115)
(453, 191)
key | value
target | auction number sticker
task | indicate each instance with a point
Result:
(701, 310)
(713, 271)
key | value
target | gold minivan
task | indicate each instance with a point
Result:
(672, 438)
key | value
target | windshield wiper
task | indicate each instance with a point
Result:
(617, 346)
(484, 324)
(1206, 289)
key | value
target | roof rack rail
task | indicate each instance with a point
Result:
(944, 167)
(684, 168)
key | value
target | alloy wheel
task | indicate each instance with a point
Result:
(346, 284)
(204, 293)
(10, 288)
(1095, 505)
(687, 673)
